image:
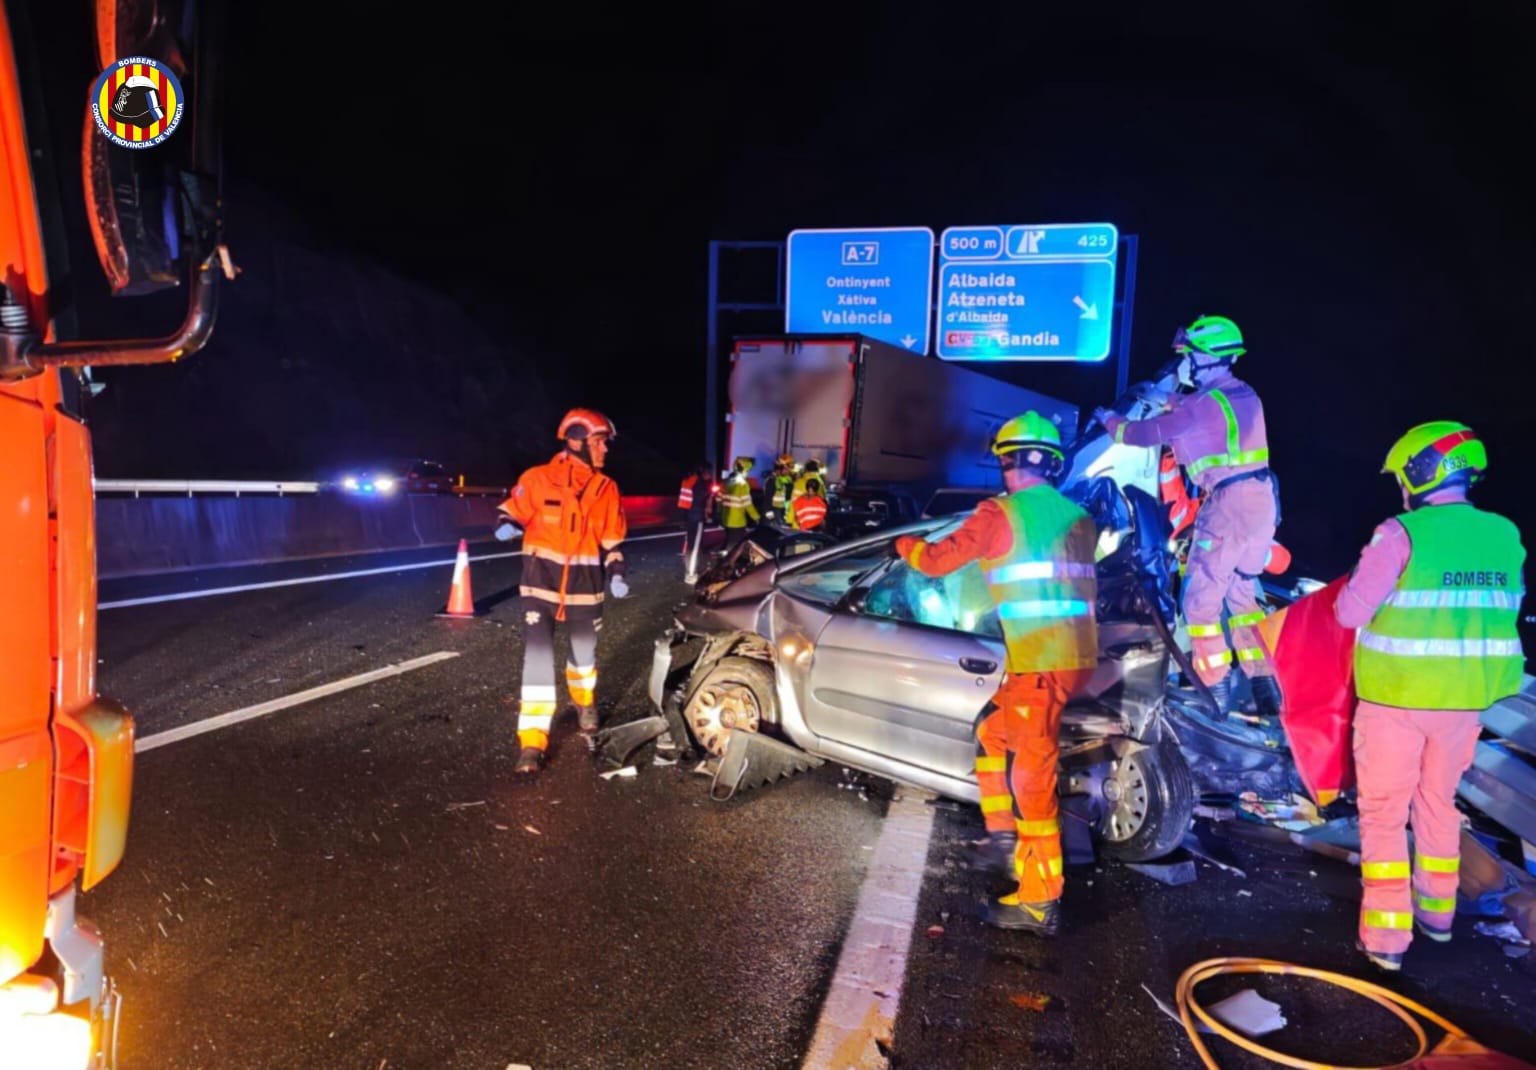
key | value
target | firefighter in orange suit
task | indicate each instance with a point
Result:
(1036, 550)
(573, 521)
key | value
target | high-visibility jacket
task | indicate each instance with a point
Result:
(1045, 586)
(807, 511)
(809, 483)
(1216, 433)
(736, 506)
(694, 497)
(783, 487)
(1447, 636)
(573, 521)
(1036, 550)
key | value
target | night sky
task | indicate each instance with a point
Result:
(1344, 184)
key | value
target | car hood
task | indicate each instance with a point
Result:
(733, 608)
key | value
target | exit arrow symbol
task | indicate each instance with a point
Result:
(1090, 312)
(908, 341)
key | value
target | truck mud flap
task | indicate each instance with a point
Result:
(751, 760)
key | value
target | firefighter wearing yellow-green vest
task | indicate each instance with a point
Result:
(736, 507)
(782, 483)
(1436, 598)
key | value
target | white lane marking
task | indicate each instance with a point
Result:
(224, 720)
(211, 591)
(865, 994)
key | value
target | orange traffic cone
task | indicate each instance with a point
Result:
(460, 602)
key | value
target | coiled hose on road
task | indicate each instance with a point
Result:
(1456, 1041)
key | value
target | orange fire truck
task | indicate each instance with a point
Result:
(153, 214)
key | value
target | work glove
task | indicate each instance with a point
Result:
(1102, 415)
(615, 567)
(507, 531)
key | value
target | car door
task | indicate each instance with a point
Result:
(904, 667)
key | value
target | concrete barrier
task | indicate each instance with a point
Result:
(146, 535)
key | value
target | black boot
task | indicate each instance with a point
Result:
(995, 853)
(1042, 919)
(529, 761)
(1266, 697)
(1221, 692)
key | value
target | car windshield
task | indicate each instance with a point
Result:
(827, 581)
(957, 601)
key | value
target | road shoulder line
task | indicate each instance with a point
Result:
(859, 1013)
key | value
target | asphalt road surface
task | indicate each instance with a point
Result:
(358, 880)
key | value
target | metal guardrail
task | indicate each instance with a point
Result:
(189, 487)
(237, 487)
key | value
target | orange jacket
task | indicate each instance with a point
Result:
(573, 521)
(1182, 507)
(807, 511)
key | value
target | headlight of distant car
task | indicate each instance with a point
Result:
(350, 483)
(384, 485)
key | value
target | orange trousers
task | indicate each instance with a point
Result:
(1016, 753)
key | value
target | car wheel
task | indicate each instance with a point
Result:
(1148, 803)
(736, 694)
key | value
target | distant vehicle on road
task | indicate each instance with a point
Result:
(411, 476)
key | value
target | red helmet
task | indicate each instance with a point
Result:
(579, 423)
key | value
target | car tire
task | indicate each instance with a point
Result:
(736, 686)
(1153, 806)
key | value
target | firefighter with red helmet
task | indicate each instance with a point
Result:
(573, 522)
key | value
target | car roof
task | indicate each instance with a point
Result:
(916, 527)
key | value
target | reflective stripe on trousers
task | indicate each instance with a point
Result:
(537, 692)
(1409, 763)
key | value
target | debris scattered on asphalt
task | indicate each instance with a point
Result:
(935, 932)
(1295, 814)
(657, 759)
(1167, 1008)
(1203, 846)
(1517, 951)
(518, 1066)
(626, 772)
(501, 828)
(1173, 873)
(530, 828)
(1029, 1001)
(703, 768)
(1245, 892)
(1501, 930)
(465, 805)
(1249, 1013)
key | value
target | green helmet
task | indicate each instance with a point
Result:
(1030, 440)
(1213, 336)
(1434, 454)
(1024, 432)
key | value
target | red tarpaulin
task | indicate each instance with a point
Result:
(1314, 660)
